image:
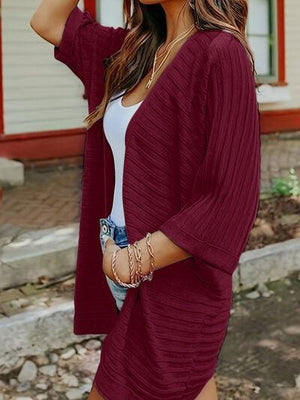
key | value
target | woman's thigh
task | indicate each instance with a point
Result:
(209, 392)
(94, 394)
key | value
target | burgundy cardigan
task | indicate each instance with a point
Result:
(192, 170)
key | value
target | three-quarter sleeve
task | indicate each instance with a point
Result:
(215, 223)
(84, 40)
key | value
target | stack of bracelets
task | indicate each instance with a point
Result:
(136, 275)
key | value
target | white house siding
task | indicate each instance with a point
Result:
(40, 93)
(292, 48)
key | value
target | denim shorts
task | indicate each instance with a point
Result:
(119, 234)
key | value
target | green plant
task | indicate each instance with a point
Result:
(288, 186)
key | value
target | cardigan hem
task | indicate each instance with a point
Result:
(219, 258)
(99, 324)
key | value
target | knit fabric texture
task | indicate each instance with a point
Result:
(192, 171)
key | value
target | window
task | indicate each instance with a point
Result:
(262, 36)
(109, 12)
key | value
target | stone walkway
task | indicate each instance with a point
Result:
(51, 196)
(259, 359)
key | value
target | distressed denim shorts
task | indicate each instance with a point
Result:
(119, 235)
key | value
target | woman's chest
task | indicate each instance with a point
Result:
(115, 121)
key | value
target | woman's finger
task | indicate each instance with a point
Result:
(108, 240)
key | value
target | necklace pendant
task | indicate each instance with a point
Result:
(149, 83)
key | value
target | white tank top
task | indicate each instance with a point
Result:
(115, 122)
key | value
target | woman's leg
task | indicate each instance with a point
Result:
(209, 392)
(94, 394)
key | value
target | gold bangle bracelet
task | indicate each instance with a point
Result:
(138, 256)
(136, 274)
(113, 267)
(130, 264)
(150, 251)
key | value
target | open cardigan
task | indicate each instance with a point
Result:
(191, 170)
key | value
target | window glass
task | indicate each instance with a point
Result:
(110, 12)
(261, 32)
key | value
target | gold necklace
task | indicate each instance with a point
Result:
(168, 49)
(179, 37)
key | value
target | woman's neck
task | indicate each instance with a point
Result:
(178, 18)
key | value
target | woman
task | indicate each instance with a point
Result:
(173, 212)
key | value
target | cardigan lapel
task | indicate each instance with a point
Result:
(156, 88)
(136, 122)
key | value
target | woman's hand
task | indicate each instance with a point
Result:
(122, 267)
(165, 250)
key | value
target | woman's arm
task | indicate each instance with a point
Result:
(50, 17)
(166, 252)
(80, 42)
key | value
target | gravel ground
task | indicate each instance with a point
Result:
(261, 352)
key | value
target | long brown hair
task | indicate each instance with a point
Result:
(147, 23)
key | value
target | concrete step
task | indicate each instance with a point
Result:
(34, 320)
(270, 263)
(27, 255)
(11, 172)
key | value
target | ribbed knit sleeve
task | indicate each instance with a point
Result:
(214, 225)
(84, 40)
